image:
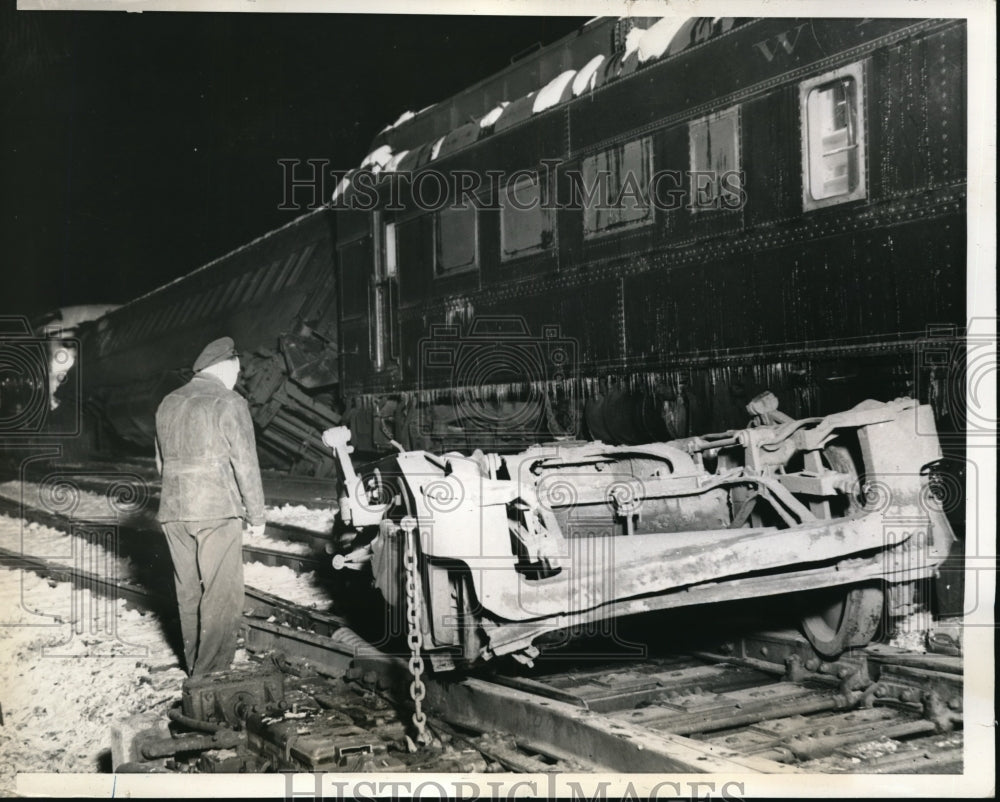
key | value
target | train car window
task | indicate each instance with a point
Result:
(170, 317)
(162, 317)
(198, 310)
(390, 250)
(615, 188)
(256, 278)
(241, 288)
(267, 282)
(383, 318)
(123, 329)
(103, 341)
(303, 260)
(217, 300)
(286, 270)
(145, 328)
(455, 241)
(156, 321)
(715, 160)
(525, 225)
(833, 138)
(187, 307)
(414, 254)
(230, 289)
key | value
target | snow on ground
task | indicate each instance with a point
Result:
(57, 546)
(910, 632)
(83, 504)
(303, 517)
(71, 666)
(75, 502)
(66, 498)
(283, 582)
(267, 542)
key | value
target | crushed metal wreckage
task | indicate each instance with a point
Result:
(509, 548)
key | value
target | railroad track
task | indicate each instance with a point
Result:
(879, 710)
(279, 488)
(761, 703)
(791, 708)
(754, 703)
(144, 540)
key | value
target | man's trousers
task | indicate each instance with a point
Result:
(208, 576)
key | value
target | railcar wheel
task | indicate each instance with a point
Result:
(838, 457)
(844, 618)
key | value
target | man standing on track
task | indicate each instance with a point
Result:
(207, 457)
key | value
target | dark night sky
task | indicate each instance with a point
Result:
(136, 147)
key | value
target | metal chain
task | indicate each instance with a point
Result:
(414, 636)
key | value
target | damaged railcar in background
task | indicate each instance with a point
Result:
(277, 298)
(501, 550)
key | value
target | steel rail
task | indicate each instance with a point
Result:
(251, 553)
(136, 596)
(556, 722)
(260, 604)
(545, 720)
(278, 488)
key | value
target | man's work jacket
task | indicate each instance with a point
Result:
(205, 439)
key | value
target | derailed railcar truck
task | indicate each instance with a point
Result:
(486, 554)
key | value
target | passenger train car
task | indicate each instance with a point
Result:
(790, 215)
(624, 236)
(649, 230)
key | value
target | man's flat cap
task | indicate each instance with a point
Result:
(215, 351)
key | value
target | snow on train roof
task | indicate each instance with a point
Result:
(68, 319)
(662, 36)
(666, 37)
(553, 92)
